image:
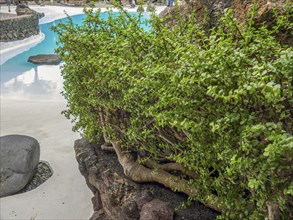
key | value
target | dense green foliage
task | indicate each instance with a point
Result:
(220, 104)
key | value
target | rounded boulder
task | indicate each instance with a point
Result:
(19, 158)
(45, 59)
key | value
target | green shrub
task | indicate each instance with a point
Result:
(219, 104)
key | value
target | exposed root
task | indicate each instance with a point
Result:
(140, 173)
(273, 211)
(172, 167)
(107, 147)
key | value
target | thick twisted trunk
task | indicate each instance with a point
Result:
(117, 197)
(273, 211)
(140, 173)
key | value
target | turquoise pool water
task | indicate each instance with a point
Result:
(19, 64)
(23, 80)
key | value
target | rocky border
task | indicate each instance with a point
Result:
(43, 173)
(116, 197)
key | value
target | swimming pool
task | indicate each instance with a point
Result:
(23, 80)
(26, 81)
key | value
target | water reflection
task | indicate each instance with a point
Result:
(23, 80)
(40, 82)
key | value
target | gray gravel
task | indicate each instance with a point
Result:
(44, 172)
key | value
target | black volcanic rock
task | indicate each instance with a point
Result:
(23, 9)
(116, 197)
(45, 59)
